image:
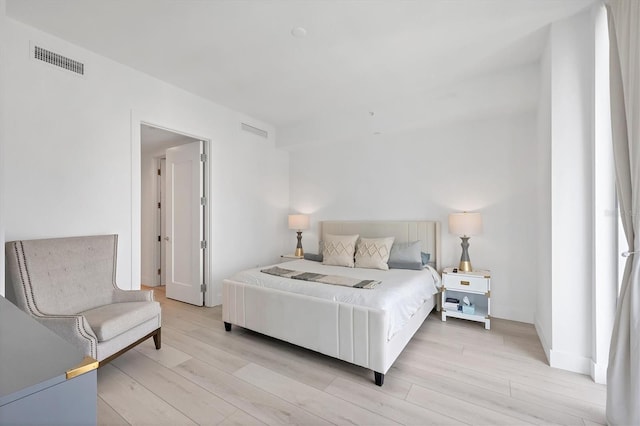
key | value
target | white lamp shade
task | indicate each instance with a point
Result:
(298, 221)
(465, 224)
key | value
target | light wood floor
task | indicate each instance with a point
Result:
(450, 373)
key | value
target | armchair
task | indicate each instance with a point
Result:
(68, 285)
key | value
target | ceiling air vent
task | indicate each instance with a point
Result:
(254, 130)
(58, 60)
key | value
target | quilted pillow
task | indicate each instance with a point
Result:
(373, 253)
(339, 249)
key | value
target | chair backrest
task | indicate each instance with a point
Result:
(62, 275)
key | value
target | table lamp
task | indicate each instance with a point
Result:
(465, 225)
(299, 222)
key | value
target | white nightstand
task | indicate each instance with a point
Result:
(290, 257)
(476, 286)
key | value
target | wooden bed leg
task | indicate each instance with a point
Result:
(157, 339)
(227, 326)
(379, 378)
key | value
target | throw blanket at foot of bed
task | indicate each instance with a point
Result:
(321, 278)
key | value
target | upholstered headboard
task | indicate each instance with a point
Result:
(426, 231)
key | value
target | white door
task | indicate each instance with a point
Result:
(162, 206)
(184, 223)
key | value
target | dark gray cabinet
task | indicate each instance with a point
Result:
(43, 378)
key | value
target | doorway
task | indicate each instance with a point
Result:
(173, 214)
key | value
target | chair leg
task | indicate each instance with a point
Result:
(157, 339)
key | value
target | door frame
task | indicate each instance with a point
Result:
(160, 198)
(136, 204)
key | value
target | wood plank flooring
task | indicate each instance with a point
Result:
(450, 373)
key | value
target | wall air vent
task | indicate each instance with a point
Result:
(254, 130)
(57, 60)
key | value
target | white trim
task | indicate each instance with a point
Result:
(599, 372)
(210, 298)
(213, 295)
(157, 247)
(543, 340)
(136, 200)
(570, 362)
(563, 360)
(512, 314)
(604, 255)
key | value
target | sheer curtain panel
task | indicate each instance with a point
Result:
(623, 373)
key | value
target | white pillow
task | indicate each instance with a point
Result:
(373, 252)
(339, 249)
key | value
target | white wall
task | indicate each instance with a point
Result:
(571, 174)
(73, 158)
(605, 254)
(544, 287)
(576, 331)
(605, 259)
(2, 136)
(486, 165)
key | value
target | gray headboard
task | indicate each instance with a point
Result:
(404, 231)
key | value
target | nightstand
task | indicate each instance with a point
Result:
(476, 286)
(290, 257)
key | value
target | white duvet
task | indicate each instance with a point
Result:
(401, 292)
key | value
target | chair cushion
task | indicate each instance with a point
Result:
(109, 321)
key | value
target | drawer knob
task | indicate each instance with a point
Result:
(464, 282)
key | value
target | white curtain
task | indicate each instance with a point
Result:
(623, 374)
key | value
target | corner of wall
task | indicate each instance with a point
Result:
(599, 372)
(543, 339)
(2, 127)
(572, 80)
(569, 361)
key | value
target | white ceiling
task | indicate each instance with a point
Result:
(394, 57)
(154, 139)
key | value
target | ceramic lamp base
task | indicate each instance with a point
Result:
(465, 267)
(465, 262)
(299, 251)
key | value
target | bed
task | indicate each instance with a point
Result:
(366, 327)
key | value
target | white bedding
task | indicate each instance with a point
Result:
(401, 292)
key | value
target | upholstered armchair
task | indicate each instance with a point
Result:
(69, 285)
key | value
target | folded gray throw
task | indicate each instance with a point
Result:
(321, 278)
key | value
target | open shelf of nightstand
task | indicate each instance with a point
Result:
(474, 285)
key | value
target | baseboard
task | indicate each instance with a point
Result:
(513, 315)
(570, 362)
(599, 372)
(543, 340)
(146, 280)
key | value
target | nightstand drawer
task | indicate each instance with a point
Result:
(465, 283)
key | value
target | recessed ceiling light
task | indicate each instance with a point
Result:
(299, 32)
